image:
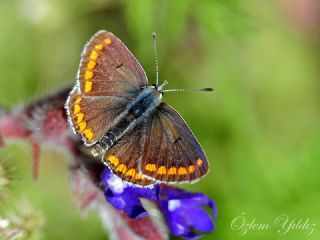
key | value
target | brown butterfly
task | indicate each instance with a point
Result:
(142, 139)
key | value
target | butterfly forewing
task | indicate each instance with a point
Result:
(108, 68)
(171, 151)
(93, 116)
(124, 156)
(109, 78)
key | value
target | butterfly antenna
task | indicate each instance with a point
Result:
(189, 90)
(155, 52)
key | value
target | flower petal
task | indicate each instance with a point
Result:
(124, 196)
(184, 212)
(200, 220)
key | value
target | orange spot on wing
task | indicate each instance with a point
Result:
(138, 176)
(182, 171)
(199, 162)
(88, 133)
(88, 75)
(131, 172)
(108, 41)
(150, 167)
(94, 55)
(80, 117)
(76, 109)
(172, 171)
(121, 168)
(78, 100)
(99, 47)
(162, 170)
(91, 65)
(114, 160)
(88, 86)
(191, 169)
(82, 126)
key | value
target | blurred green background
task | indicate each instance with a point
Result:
(260, 128)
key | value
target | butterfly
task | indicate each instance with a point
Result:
(141, 139)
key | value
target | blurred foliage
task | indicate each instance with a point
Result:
(260, 128)
(23, 223)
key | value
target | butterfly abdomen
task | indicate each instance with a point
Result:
(139, 109)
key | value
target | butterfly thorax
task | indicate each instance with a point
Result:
(136, 111)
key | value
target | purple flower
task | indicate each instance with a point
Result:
(124, 196)
(183, 211)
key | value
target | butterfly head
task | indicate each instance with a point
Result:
(158, 89)
(161, 87)
(154, 91)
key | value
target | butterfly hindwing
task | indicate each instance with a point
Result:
(171, 151)
(108, 68)
(124, 156)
